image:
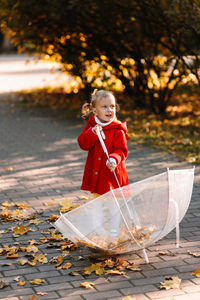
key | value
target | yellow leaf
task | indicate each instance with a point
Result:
(87, 285)
(33, 297)
(37, 281)
(12, 255)
(97, 268)
(21, 282)
(22, 262)
(20, 230)
(35, 221)
(129, 298)
(7, 204)
(67, 205)
(21, 205)
(83, 197)
(115, 272)
(195, 254)
(196, 273)
(171, 283)
(41, 258)
(33, 263)
(66, 266)
(31, 248)
(41, 294)
(52, 218)
(51, 203)
(133, 267)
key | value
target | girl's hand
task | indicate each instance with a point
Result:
(94, 129)
(111, 167)
(111, 164)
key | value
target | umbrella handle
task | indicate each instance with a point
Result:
(106, 152)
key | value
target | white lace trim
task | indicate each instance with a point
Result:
(101, 123)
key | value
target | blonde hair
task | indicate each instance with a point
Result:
(95, 97)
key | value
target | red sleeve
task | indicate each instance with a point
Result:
(87, 138)
(120, 150)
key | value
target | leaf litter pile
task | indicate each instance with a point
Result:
(31, 252)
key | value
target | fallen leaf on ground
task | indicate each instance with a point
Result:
(115, 272)
(83, 197)
(2, 284)
(32, 297)
(171, 283)
(67, 205)
(21, 283)
(22, 262)
(52, 218)
(195, 254)
(41, 258)
(37, 281)
(87, 285)
(57, 259)
(35, 221)
(50, 203)
(41, 293)
(20, 230)
(31, 248)
(163, 253)
(74, 273)
(133, 267)
(21, 205)
(196, 273)
(129, 298)
(97, 268)
(65, 266)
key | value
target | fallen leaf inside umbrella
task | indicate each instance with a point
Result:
(37, 281)
(87, 285)
(171, 283)
(196, 273)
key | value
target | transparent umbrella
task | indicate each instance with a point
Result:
(132, 217)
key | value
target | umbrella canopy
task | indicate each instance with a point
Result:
(132, 217)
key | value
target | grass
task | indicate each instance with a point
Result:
(178, 132)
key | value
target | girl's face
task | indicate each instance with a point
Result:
(105, 109)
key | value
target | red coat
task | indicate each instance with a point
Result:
(97, 178)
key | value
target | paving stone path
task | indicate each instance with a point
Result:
(41, 163)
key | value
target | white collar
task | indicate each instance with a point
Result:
(103, 124)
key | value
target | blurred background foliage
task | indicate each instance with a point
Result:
(146, 51)
(144, 48)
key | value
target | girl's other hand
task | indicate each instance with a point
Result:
(94, 129)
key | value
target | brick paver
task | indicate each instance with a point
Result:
(40, 162)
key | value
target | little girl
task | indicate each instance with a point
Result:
(98, 176)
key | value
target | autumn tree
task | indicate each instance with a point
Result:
(151, 46)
